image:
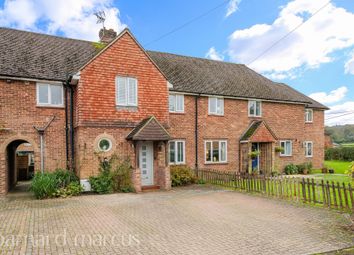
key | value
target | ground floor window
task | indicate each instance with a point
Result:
(308, 149)
(287, 148)
(215, 151)
(177, 152)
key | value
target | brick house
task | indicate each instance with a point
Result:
(78, 102)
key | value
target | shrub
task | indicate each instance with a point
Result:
(301, 168)
(340, 153)
(114, 176)
(182, 175)
(44, 185)
(274, 174)
(61, 183)
(291, 169)
(73, 189)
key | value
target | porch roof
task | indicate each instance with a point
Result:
(258, 131)
(149, 129)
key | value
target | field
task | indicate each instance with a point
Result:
(347, 144)
(339, 172)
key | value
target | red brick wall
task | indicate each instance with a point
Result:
(19, 113)
(96, 111)
(285, 120)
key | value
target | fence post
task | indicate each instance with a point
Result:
(334, 195)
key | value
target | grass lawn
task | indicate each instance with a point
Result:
(339, 169)
(347, 144)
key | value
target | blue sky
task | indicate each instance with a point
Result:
(317, 58)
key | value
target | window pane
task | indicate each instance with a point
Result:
(208, 151)
(132, 92)
(288, 148)
(258, 108)
(56, 95)
(172, 152)
(251, 108)
(180, 155)
(121, 91)
(216, 152)
(220, 106)
(43, 94)
(212, 105)
(179, 103)
(172, 103)
(223, 151)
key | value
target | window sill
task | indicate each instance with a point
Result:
(308, 122)
(309, 156)
(216, 163)
(256, 117)
(127, 108)
(177, 113)
(50, 106)
(215, 115)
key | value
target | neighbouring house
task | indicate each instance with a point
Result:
(78, 102)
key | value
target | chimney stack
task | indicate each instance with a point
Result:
(107, 35)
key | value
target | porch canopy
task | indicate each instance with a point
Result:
(149, 129)
(258, 136)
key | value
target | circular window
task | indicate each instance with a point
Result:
(105, 144)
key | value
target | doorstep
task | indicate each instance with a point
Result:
(150, 188)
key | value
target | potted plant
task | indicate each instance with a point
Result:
(254, 154)
(279, 149)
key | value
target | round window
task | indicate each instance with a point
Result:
(105, 144)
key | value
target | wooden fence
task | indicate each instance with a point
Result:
(304, 190)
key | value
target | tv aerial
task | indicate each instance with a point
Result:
(101, 17)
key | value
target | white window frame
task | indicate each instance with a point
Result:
(49, 94)
(176, 151)
(250, 102)
(284, 154)
(205, 151)
(307, 120)
(216, 112)
(127, 104)
(306, 149)
(175, 104)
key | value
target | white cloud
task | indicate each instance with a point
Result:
(213, 54)
(349, 65)
(232, 7)
(332, 97)
(340, 114)
(307, 47)
(73, 19)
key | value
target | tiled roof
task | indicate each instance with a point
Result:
(149, 129)
(38, 56)
(32, 55)
(204, 76)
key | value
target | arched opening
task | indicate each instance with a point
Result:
(20, 164)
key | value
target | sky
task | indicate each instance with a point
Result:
(308, 44)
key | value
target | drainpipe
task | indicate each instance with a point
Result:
(196, 131)
(72, 128)
(66, 86)
(41, 132)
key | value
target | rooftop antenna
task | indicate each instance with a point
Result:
(101, 17)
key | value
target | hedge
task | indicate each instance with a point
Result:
(340, 153)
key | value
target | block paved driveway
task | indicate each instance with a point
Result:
(193, 220)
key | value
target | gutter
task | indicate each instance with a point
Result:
(66, 87)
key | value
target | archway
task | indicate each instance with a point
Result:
(19, 163)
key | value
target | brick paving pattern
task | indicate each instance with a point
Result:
(193, 220)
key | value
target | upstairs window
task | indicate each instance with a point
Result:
(215, 151)
(177, 152)
(50, 94)
(308, 149)
(176, 103)
(126, 91)
(287, 148)
(308, 115)
(254, 108)
(216, 105)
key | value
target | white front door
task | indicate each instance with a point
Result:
(147, 163)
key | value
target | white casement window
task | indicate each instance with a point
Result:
(215, 151)
(177, 152)
(308, 115)
(308, 149)
(254, 108)
(126, 91)
(176, 103)
(287, 146)
(50, 95)
(216, 105)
